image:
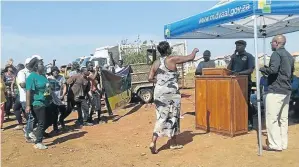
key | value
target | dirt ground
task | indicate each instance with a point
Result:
(125, 143)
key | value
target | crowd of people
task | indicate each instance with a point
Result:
(44, 97)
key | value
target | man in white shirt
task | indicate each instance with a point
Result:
(21, 83)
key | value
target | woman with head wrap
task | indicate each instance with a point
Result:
(167, 97)
(37, 96)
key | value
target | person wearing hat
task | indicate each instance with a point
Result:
(38, 98)
(21, 84)
(207, 63)
(57, 84)
(37, 56)
(242, 63)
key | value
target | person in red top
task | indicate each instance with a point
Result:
(95, 92)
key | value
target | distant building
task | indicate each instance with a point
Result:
(296, 56)
(196, 61)
(261, 59)
(221, 61)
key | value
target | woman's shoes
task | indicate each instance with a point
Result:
(153, 148)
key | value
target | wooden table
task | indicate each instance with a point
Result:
(221, 104)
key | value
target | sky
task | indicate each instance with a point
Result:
(67, 30)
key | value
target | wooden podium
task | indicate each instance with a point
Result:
(221, 102)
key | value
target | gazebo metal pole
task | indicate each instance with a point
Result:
(258, 88)
(264, 51)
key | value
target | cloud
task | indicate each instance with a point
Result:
(63, 48)
(66, 48)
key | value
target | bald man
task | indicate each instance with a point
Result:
(279, 72)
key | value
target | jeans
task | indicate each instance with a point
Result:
(82, 107)
(83, 111)
(31, 120)
(40, 112)
(95, 105)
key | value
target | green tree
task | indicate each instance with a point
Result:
(134, 58)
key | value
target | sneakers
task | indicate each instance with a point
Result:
(32, 136)
(19, 127)
(40, 146)
(87, 124)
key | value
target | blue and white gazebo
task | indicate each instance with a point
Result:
(237, 19)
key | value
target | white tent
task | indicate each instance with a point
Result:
(240, 19)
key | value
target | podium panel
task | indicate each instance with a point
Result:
(221, 104)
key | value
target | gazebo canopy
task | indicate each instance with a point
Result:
(233, 19)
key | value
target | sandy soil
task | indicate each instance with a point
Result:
(125, 143)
